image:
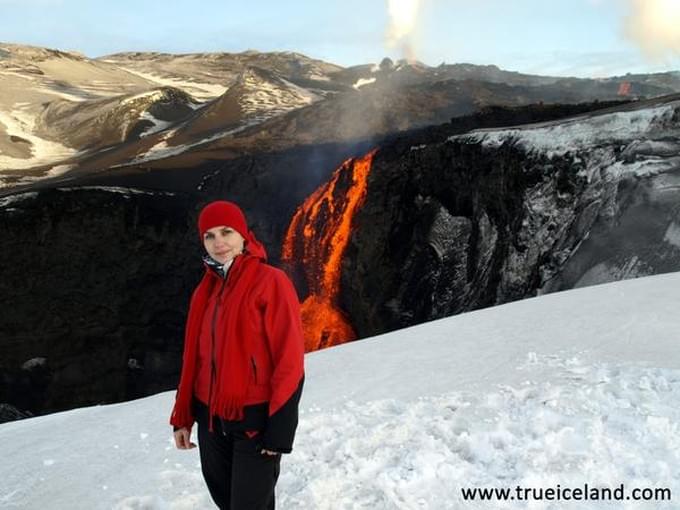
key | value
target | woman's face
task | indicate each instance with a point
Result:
(223, 243)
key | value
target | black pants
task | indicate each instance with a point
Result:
(238, 476)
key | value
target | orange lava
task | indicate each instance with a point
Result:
(317, 237)
(624, 88)
(324, 324)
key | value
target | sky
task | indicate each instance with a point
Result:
(559, 37)
(406, 420)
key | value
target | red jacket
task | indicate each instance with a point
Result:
(257, 379)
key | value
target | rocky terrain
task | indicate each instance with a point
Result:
(496, 215)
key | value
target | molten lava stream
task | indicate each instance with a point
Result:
(317, 236)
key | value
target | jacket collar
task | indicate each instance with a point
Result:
(219, 269)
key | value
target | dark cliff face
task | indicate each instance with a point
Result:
(477, 220)
(441, 233)
(94, 283)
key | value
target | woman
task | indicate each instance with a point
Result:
(242, 370)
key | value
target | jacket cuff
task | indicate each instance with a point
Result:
(281, 426)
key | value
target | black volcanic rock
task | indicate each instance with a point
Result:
(11, 413)
(494, 216)
(95, 277)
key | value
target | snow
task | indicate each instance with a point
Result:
(101, 88)
(203, 91)
(34, 363)
(118, 189)
(263, 100)
(12, 199)
(318, 77)
(77, 98)
(151, 95)
(363, 81)
(58, 170)
(159, 125)
(590, 130)
(304, 95)
(163, 150)
(21, 124)
(672, 235)
(573, 388)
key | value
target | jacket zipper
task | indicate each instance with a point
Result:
(252, 360)
(213, 364)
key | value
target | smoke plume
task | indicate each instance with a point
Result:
(655, 26)
(403, 15)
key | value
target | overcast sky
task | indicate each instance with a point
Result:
(559, 37)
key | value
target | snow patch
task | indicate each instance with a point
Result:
(672, 235)
(560, 137)
(163, 150)
(197, 89)
(76, 98)
(159, 125)
(363, 81)
(13, 199)
(58, 170)
(118, 189)
(319, 77)
(151, 95)
(264, 100)
(34, 363)
(21, 124)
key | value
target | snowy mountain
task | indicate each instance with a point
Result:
(58, 108)
(252, 102)
(35, 77)
(256, 96)
(207, 75)
(573, 388)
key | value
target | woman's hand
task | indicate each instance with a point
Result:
(268, 452)
(182, 441)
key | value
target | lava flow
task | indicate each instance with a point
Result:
(624, 89)
(316, 238)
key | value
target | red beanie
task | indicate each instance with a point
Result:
(224, 213)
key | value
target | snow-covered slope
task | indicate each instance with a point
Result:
(572, 388)
(208, 75)
(57, 107)
(256, 96)
(32, 77)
